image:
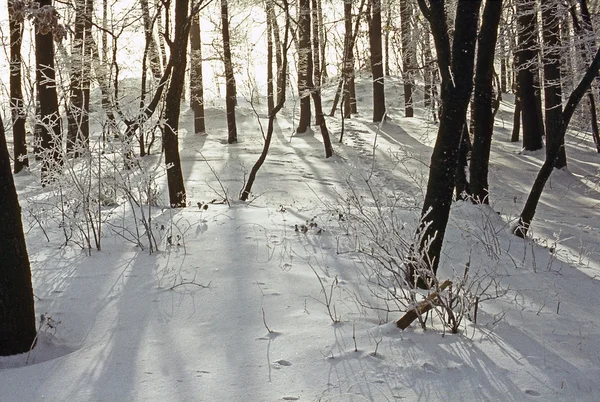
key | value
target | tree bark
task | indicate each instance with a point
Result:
(270, 78)
(528, 76)
(17, 313)
(555, 136)
(178, 58)
(546, 170)
(196, 76)
(49, 126)
(21, 160)
(230, 91)
(280, 102)
(377, 62)
(78, 134)
(456, 66)
(407, 56)
(153, 47)
(305, 65)
(482, 105)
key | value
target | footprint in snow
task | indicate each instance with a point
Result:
(532, 392)
(281, 363)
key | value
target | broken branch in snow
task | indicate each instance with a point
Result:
(421, 308)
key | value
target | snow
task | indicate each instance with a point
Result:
(236, 312)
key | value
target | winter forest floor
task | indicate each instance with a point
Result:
(234, 304)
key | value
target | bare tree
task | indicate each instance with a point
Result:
(15, 22)
(196, 76)
(376, 61)
(230, 96)
(17, 313)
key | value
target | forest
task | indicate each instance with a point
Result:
(299, 200)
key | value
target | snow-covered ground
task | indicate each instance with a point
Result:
(234, 304)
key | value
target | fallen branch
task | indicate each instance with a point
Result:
(421, 308)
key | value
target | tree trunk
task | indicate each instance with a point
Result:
(456, 67)
(555, 138)
(161, 38)
(78, 134)
(407, 56)
(316, 47)
(503, 65)
(348, 58)
(178, 58)
(270, 78)
(278, 49)
(482, 105)
(196, 77)
(377, 62)
(322, 40)
(17, 105)
(516, 120)
(305, 66)
(17, 313)
(50, 124)
(586, 48)
(544, 174)
(528, 76)
(153, 47)
(230, 91)
(280, 102)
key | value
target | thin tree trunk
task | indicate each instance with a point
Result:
(278, 49)
(305, 66)
(230, 91)
(552, 83)
(516, 120)
(482, 105)
(21, 160)
(316, 46)
(153, 47)
(528, 76)
(178, 58)
(407, 56)
(17, 313)
(377, 62)
(280, 102)
(322, 40)
(270, 78)
(546, 170)
(78, 133)
(196, 76)
(161, 36)
(50, 123)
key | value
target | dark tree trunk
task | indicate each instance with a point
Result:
(555, 136)
(544, 174)
(178, 58)
(278, 49)
(305, 66)
(388, 23)
(456, 66)
(153, 47)
(230, 91)
(482, 105)
(516, 120)
(377, 62)
(270, 78)
(17, 313)
(196, 77)
(528, 76)
(17, 105)
(462, 186)
(50, 130)
(407, 56)
(586, 48)
(348, 58)
(78, 134)
(280, 102)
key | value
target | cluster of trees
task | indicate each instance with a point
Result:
(447, 53)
